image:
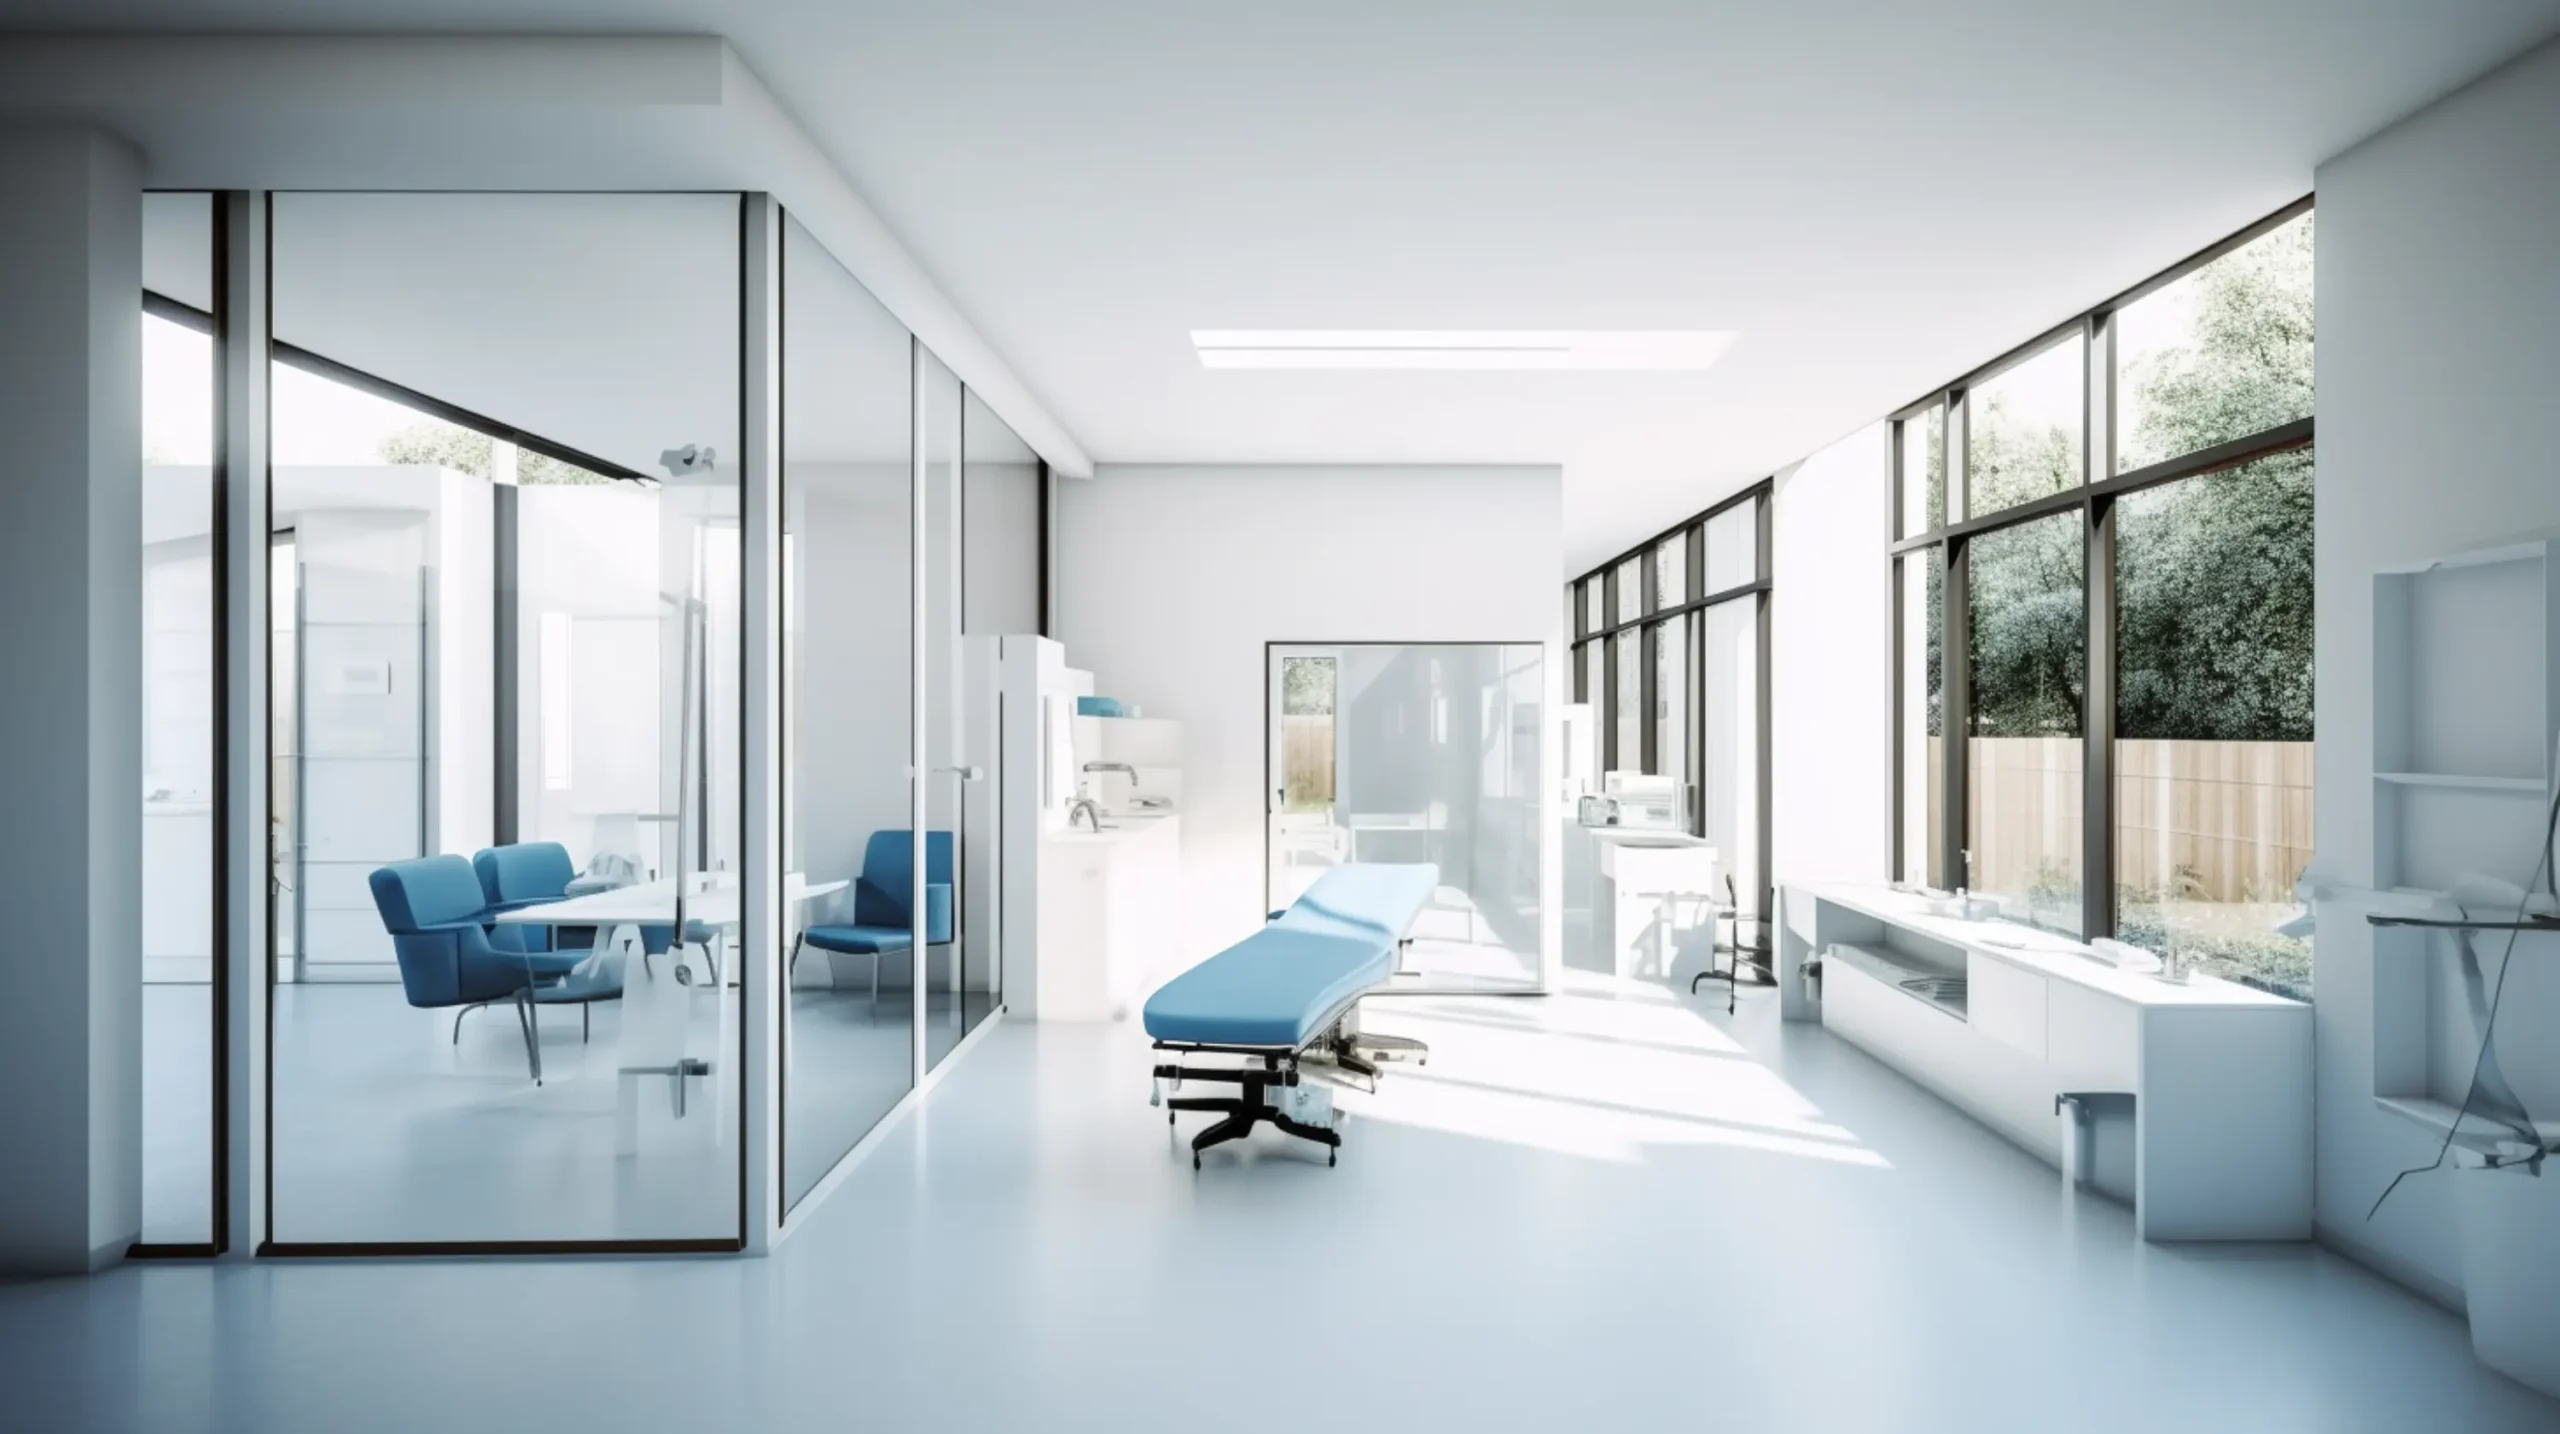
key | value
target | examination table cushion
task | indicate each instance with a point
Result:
(1277, 986)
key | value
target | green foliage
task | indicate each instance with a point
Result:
(466, 450)
(444, 445)
(2028, 624)
(2214, 596)
(2249, 367)
(2270, 962)
(2008, 463)
(2214, 579)
(1306, 686)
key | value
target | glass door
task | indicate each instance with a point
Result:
(1306, 835)
(1387, 752)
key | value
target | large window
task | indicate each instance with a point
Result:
(1919, 592)
(2026, 663)
(2023, 434)
(2213, 725)
(2134, 697)
(1675, 679)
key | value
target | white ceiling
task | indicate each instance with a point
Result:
(1877, 195)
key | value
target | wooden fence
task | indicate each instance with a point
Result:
(1306, 765)
(2195, 821)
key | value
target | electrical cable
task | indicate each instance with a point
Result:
(2489, 1026)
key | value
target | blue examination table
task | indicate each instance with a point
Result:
(1288, 994)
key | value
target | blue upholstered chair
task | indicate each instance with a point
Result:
(438, 918)
(532, 873)
(882, 898)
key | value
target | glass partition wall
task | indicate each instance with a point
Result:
(508, 703)
(181, 615)
(1671, 653)
(848, 574)
(551, 382)
(2110, 532)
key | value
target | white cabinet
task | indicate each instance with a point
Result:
(1104, 933)
(2093, 1042)
(2006, 1004)
(2000, 1022)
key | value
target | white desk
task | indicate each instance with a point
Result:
(658, 993)
(2218, 1075)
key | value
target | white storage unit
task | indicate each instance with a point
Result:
(2216, 1076)
(2466, 706)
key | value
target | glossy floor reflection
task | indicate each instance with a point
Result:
(1611, 1209)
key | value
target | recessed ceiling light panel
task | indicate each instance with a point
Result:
(1516, 350)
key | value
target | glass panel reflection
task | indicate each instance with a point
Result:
(848, 567)
(455, 1058)
(1436, 758)
(938, 977)
(1733, 547)
(178, 704)
(1729, 782)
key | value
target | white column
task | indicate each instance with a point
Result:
(71, 759)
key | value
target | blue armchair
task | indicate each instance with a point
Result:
(449, 955)
(532, 873)
(882, 898)
(529, 874)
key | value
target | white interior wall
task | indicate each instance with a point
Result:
(1171, 579)
(464, 748)
(1830, 698)
(588, 556)
(2437, 302)
(71, 580)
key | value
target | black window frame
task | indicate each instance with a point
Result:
(2094, 500)
(1649, 622)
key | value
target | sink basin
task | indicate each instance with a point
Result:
(1971, 908)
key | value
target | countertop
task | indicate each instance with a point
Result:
(2039, 951)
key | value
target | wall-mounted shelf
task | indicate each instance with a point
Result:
(2479, 1134)
(2466, 683)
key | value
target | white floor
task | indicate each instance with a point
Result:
(389, 1129)
(1611, 1209)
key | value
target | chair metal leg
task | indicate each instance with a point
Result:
(532, 1033)
(457, 1019)
(586, 1022)
(875, 983)
(791, 967)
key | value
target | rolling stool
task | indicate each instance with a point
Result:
(1757, 952)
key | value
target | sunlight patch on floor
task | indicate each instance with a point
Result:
(1607, 1071)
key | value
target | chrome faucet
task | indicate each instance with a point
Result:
(1093, 767)
(1086, 808)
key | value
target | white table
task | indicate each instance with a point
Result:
(658, 992)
